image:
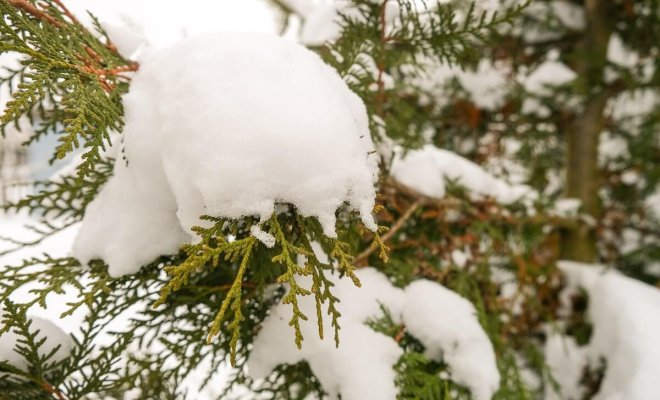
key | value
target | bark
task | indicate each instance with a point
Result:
(583, 132)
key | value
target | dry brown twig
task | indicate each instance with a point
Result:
(362, 257)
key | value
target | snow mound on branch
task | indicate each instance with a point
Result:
(228, 125)
(340, 370)
(426, 169)
(566, 359)
(626, 326)
(548, 74)
(486, 85)
(447, 325)
(53, 335)
(442, 320)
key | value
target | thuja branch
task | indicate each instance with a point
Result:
(233, 299)
(34, 11)
(361, 258)
(286, 257)
(72, 78)
(231, 241)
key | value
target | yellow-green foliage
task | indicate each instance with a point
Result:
(230, 241)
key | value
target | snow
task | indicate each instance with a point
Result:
(549, 73)
(567, 207)
(195, 146)
(571, 15)
(460, 258)
(626, 325)
(486, 85)
(341, 370)
(617, 53)
(566, 360)
(427, 168)
(322, 23)
(652, 203)
(128, 37)
(48, 331)
(631, 104)
(16, 227)
(301, 7)
(611, 147)
(444, 322)
(447, 325)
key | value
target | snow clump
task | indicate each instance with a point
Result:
(52, 335)
(443, 321)
(626, 325)
(228, 125)
(426, 170)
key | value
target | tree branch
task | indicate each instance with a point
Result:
(34, 11)
(393, 230)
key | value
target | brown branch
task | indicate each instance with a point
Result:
(447, 202)
(67, 12)
(393, 230)
(111, 71)
(53, 390)
(34, 11)
(400, 334)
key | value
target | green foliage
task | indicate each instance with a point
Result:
(368, 52)
(418, 379)
(65, 197)
(68, 77)
(231, 241)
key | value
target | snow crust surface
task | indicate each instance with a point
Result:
(362, 366)
(228, 125)
(626, 325)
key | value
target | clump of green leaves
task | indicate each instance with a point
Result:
(68, 77)
(372, 46)
(231, 241)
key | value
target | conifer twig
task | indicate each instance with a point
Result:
(66, 12)
(397, 225)
(53, 390)
(34, 11)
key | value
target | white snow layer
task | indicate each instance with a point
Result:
(626, 326)
(486, 85)
(566, 360)
(447, 325)
(227, 125)
(427, 168)
(549, 73)
(53, 335)
(362, 366)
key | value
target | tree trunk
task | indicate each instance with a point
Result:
(583, 132)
